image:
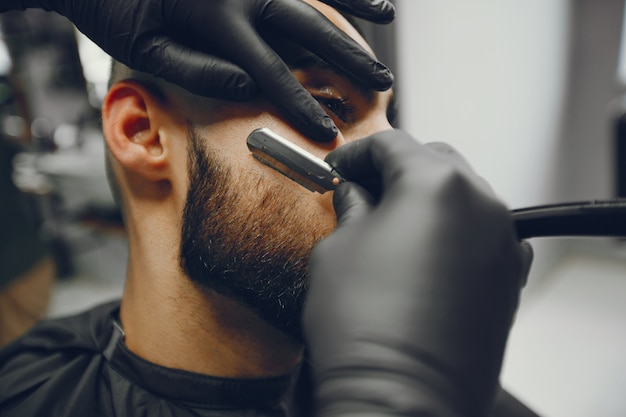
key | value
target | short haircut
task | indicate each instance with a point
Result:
(161, 90)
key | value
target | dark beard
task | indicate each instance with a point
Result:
(246, 239)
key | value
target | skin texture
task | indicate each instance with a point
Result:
(226, 210)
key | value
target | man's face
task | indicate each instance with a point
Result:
(247, 230)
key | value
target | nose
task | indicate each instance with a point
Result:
(320, 149)
(366, 128)
(339, 140)
(369, 126)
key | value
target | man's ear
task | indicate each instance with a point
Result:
(131, 121)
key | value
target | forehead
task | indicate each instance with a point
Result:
(341, 22)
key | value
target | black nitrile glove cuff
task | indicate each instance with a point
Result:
(384, 372)
(375, 378)
(26, 4)
(381, 11)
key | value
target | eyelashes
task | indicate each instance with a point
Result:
(340, 107)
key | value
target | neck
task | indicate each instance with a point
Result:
(168, 320)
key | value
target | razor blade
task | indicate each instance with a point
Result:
(292, 161)
(596, 218)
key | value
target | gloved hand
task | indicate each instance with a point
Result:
(413, 295)
(214, 47)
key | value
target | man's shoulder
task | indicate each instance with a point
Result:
(59, 348)
(87, 330)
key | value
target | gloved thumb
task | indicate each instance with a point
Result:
(527, 261)
(351, 202)
(377, 11)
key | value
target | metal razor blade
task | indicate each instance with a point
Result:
(596, 218)
(292, 161)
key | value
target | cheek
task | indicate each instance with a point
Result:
(288, 192)
(257, 183)
(281, 208)
(227, 140)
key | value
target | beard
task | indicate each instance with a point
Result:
(248, 239)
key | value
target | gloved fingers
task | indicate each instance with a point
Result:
(447, 151)
(352, 203)
(276, 81)
(376, 11)
(309, 28)
(353, 160)
(375, 156)
(395, 159)
(451, 154)
(527, 260)
(196, 71)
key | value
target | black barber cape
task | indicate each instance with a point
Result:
(79, 367)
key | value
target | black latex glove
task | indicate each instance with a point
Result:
(412, 297)
(214, 47)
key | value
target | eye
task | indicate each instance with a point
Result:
(340, 107)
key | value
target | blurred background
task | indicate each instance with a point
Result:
(530, 91)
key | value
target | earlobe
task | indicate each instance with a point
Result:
(132, 130)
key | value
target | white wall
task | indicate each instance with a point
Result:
(493, 78)
(487, 77)
(523, 88)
